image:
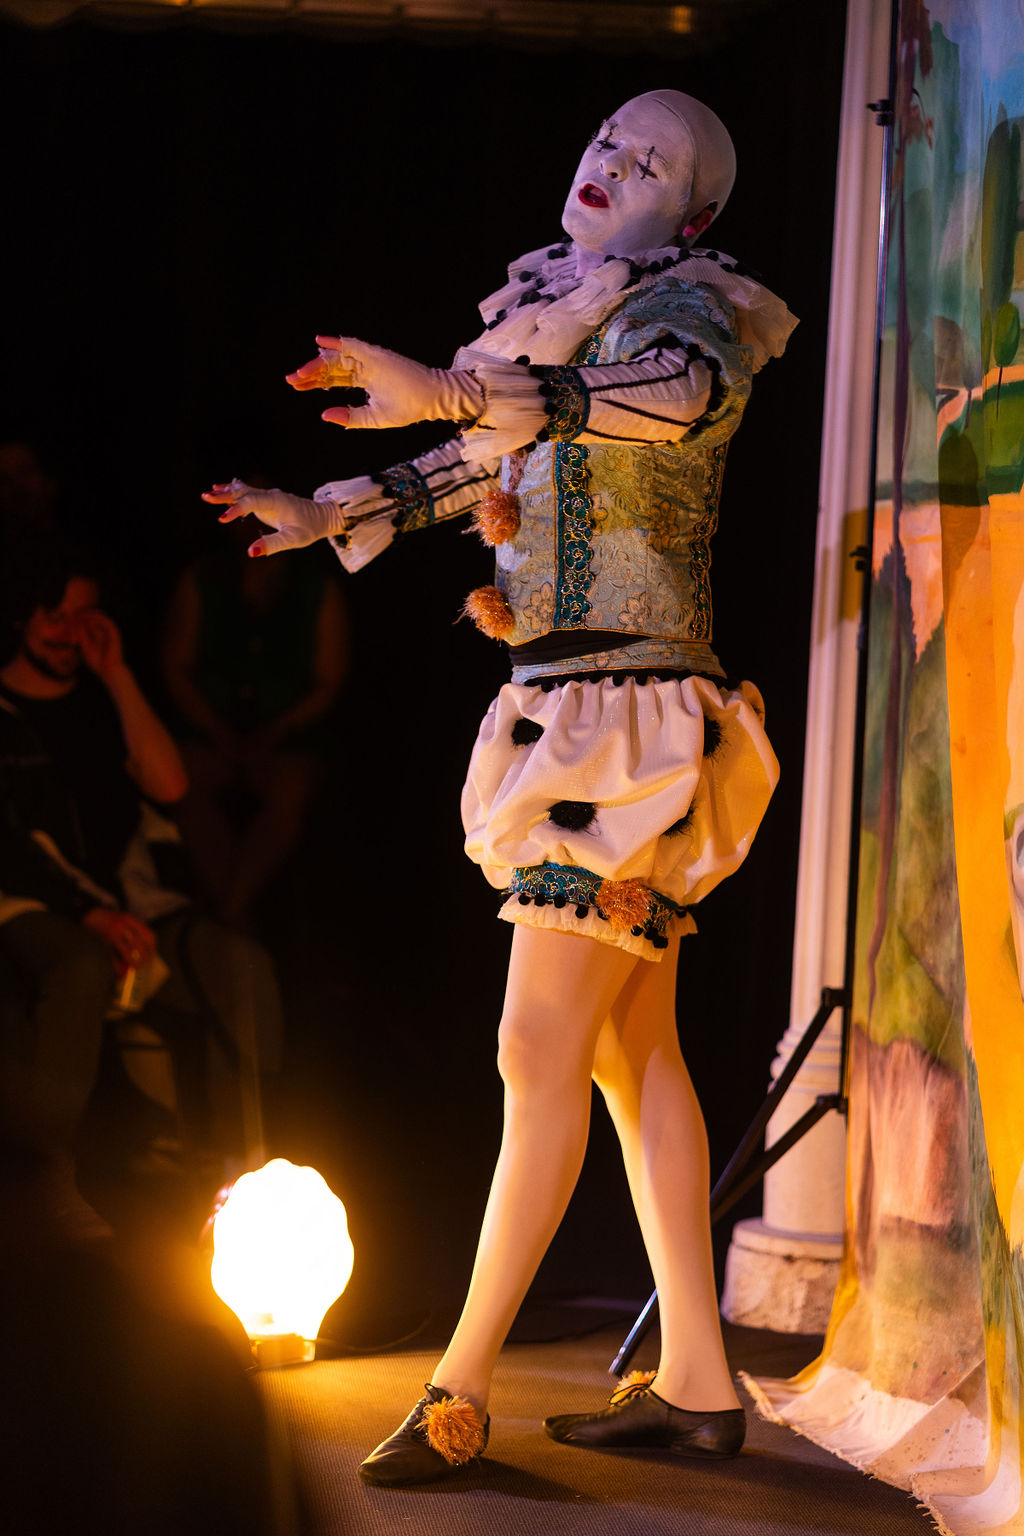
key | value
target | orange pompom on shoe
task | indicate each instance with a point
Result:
(628, 1385)
(441, 1435)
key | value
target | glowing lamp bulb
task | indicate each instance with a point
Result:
(281, 1256)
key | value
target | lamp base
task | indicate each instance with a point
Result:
(282, 1349)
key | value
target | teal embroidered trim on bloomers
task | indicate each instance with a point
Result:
(570, 884)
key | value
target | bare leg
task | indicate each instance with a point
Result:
(561, 987)
(639, 1068)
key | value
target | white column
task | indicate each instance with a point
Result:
(782, 1268)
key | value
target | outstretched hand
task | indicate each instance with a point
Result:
(297, 521)
(400, 391)
(325, 371)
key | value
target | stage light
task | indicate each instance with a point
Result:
(281, 1256)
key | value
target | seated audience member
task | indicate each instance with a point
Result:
(87, 911)
(254, 657)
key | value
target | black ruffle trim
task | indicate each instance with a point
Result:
(619, 676)
(655, 940)
(684, 253)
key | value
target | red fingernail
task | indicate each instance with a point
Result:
(254, 552)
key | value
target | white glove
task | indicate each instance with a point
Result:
(400, 391)
(298, 522)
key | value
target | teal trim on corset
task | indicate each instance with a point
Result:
(700, 549)
(572, 536)
(573, 524)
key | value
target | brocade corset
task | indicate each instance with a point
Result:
(616, 536)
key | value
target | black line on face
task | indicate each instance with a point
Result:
(600, 137)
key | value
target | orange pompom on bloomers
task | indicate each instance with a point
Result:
(496, 519)
(625, 903)
(490, 612)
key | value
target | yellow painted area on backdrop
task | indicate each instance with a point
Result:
(1007, 538)
(982, 571)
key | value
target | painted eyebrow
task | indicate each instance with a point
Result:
(653, 153)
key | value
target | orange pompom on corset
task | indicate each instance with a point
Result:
(618, 777)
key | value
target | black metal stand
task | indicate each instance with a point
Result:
(743, 1171)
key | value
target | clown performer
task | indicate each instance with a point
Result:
(618, 777)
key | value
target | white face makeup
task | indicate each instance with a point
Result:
(631, 189)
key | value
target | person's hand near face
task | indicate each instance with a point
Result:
(99, 642)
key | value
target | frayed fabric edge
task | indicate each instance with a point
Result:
(765, 1411)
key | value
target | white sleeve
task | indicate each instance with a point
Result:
(656, 397)
(437, 485)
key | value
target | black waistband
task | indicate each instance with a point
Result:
(570, 642)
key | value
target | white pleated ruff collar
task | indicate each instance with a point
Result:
(545, 311)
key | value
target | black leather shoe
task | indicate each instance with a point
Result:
(640, 1419)
(441, 1435)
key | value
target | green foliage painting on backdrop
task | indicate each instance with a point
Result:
(920, 1381)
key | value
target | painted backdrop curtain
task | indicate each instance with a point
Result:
(920, 1379)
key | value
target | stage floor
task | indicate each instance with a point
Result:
(333, 1412)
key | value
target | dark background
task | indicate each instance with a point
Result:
(185, 208)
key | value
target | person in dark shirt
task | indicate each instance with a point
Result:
(87, 775)
(254, 656)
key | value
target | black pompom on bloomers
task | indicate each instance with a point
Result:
(712, 735)
(682, 825)
(573, 815)
(526, 732)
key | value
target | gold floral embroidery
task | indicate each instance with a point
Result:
(537, 615)
(633, 615)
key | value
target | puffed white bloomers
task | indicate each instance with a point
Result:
(609, 808)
